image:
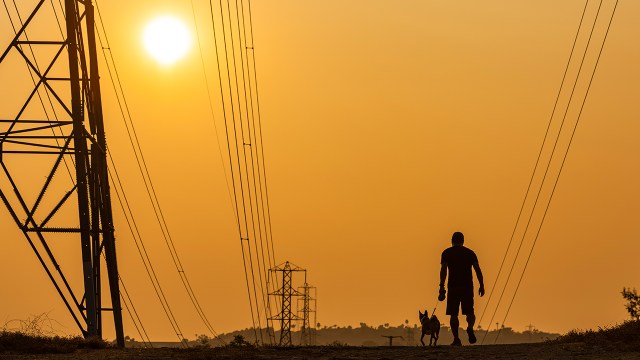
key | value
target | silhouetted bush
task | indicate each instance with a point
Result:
(239, 341)
(633, 302)
(203, 341)
(15, 341)
(624, 336)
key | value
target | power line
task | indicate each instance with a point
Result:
(233, 182)
(254, 160)
(213, 117)
(241, 143)
(142, 166)
(133, 313)
(544, 177)
(535, 168)
(133, 228)
(146, 261)
(550, 159)
(562, 83)
(257, 234)
(245, 151)
(259, 147)
(265, 196)
(249, 275)
(561, 165)
(250, 144)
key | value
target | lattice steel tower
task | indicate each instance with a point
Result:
(284, 273)
(307, 313)
(56, 123)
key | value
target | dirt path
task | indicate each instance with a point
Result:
(518, 351)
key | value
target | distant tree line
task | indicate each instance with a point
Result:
(407, 335)
(404, 334)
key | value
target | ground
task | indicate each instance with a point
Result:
(513, 351)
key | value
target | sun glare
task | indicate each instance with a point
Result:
(166, 39)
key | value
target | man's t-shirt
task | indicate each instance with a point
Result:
(459, 260)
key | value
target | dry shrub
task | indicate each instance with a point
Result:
(624, 336)
(14, 341)
(37, 335)
(34, 325)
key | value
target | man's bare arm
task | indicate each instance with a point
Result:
(443, 274)
(443, 277)
(476, 267)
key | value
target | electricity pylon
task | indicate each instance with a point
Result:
(57, 122)
(284, 276)
(307, 313)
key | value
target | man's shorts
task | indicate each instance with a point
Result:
(457, 297)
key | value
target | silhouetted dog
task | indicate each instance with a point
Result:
(430, 326)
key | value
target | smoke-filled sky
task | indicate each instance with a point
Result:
(387, 126)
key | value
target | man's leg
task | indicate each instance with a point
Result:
(453, 305)
(471, 320)
(467, 309)
(455, 324)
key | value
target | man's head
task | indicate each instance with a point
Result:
(457, 238)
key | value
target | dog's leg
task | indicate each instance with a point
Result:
(422, 337)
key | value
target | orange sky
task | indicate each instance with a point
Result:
(387, 126)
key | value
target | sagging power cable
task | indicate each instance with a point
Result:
(239, 143)
(535, 169)
(240, 106)
(142, 166)
(564, 159)
(142, 251)
(550, 159)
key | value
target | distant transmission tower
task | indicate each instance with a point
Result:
(54, 177)
(284, 275)
(307, 313)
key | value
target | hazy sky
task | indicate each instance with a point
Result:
(387, 126)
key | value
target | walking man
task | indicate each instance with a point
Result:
(459, 260)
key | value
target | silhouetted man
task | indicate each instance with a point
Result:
(459, 260)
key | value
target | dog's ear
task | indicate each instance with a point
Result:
(419, 313)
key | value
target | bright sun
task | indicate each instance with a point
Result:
(167, 39)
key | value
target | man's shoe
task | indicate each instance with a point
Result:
(472, 336)
(456, 342)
